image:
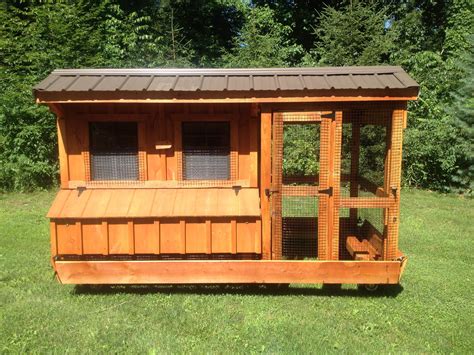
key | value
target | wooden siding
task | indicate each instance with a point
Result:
(158, 141)
(157, 236)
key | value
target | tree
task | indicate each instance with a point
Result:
(357, 34)
(263, 42)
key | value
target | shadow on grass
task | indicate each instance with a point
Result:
(390, 291)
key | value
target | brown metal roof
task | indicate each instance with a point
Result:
(113, 84)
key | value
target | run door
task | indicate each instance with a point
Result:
(302, 185)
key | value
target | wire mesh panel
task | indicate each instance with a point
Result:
(206, 150)
(296, 176)
(113, 151)
(364, 151)
(371, 159)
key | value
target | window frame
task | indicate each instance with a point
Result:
(234, 155)
(140, 119)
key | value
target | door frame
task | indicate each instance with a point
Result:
(328, 187)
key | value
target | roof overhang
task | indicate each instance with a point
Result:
(227, 85)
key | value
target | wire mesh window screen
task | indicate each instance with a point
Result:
(206, 150)
(113, 151)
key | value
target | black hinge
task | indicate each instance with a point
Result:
(269, 192)
(331, 115)
(327, 191)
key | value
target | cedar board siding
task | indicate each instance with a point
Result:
(156, 126)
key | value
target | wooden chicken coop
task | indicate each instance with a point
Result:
(228, 175)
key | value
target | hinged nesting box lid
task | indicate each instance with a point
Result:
(141, 203)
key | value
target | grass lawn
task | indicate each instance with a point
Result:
(432, 313)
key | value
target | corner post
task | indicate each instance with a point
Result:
(265, 179)
(394, 179)
(62, 144)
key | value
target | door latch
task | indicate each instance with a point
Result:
(269, 192)
(327, 191)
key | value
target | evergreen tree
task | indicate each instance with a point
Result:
(263, 42)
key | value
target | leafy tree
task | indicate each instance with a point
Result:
(263, 42)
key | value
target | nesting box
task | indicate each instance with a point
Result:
(228, 175)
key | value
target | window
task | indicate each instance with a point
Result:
(206, 150)
(114, 150)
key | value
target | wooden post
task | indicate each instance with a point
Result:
(335, 172)
(354, 183)
(62, 148)
(324, 208)
(394, 177)
(253, 147)
(265, 179)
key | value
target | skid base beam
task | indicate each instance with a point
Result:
(228, 271)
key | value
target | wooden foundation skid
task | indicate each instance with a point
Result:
(228, 272)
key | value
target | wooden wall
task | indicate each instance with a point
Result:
(226, 235)
(157, 126)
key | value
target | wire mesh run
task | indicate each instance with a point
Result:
(364, 151)
(368, 230)
(296, 176)
(312, 215)
(370, 167)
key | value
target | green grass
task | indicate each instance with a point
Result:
(432, 313)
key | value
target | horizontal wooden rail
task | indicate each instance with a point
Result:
(228, 271)
(305, 191)
(367, 202)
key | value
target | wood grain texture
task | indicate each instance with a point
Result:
(265, 179)
(94, 238)
(143, 203)
(62, 151)
(210, 271)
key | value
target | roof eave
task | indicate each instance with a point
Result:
(404, 94)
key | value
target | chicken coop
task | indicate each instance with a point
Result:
(171, 176)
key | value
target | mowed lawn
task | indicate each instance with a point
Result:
(432, 312)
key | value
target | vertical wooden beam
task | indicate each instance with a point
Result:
(396, 138)
(354, 183)
(62, 148)
(105, 231)
(54, 240)
(330, 204)
(324, 215)
(258, 237)
(158, 236)
(178, 150)
(276, 196)
(336, 182)
(80, 234)
(208, 237)
(131, 238)
(162, 136)
(234, 143)
(233, 233)
(265, 179)
(182, 225)
(253, 125)
(142, 146)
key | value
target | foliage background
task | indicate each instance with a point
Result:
(431, 39)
